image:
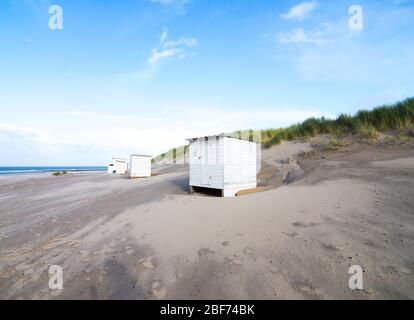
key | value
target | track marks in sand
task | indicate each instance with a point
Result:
(158, 290)
(147, 263)
(204, 252)
(300, 224)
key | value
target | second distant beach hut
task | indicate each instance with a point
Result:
(140, 166)
(118, 166)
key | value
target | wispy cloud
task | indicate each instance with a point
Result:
(98, 116)
(322, 34)
(176, 5)
(300, 11)
(187, 42)
(164, 36)
(158, 55)
(171, 48)
(40, 139)
(165, 50)
(170, 2)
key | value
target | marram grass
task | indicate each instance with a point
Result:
(365, 124)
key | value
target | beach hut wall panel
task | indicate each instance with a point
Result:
(140, 166)
(223, 163)
(120, 166)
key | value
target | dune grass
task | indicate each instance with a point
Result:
(365, 124)
(335, 144)
(171, 155)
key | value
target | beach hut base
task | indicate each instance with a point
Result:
(225, 193)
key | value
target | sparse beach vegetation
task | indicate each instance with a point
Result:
(59, 173)
(365, 124)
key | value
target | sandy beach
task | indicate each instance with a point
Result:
(116, 238)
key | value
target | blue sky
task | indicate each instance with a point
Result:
(142, 76)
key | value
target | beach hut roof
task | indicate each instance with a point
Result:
(141, 155)
(217, 136)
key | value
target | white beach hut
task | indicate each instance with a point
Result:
(140, 166)
(223, 163)
(118, 166)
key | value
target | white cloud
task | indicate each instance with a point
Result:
(324, 33)
(301, 11)
(164, 36)
(97, 116)
(176, 5)
(171, 2)
(33, 146)
(165, 50)
(299, 36)
(36, 134)
(159, 55)
(187, 42)
(295, 36)
(171, 48)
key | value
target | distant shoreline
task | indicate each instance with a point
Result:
(7, 171)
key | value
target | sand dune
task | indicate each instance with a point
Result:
(150, 239)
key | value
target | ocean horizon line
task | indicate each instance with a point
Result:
(7, 170)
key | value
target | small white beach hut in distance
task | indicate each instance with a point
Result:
(224, 163)
(118, 166)
(140, 166)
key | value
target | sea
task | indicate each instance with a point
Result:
(28, 170)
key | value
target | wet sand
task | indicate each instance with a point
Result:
(117, 238)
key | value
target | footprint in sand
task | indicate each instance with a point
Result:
(300, 224)
(234, 260)
(204, 252)
(292, 235)
(147, 263)
(128, 250)
(305, 288)
(330, 247)
(248, 250)
(159, 292)
(83, 253)
(404, 270)
(398, 269)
